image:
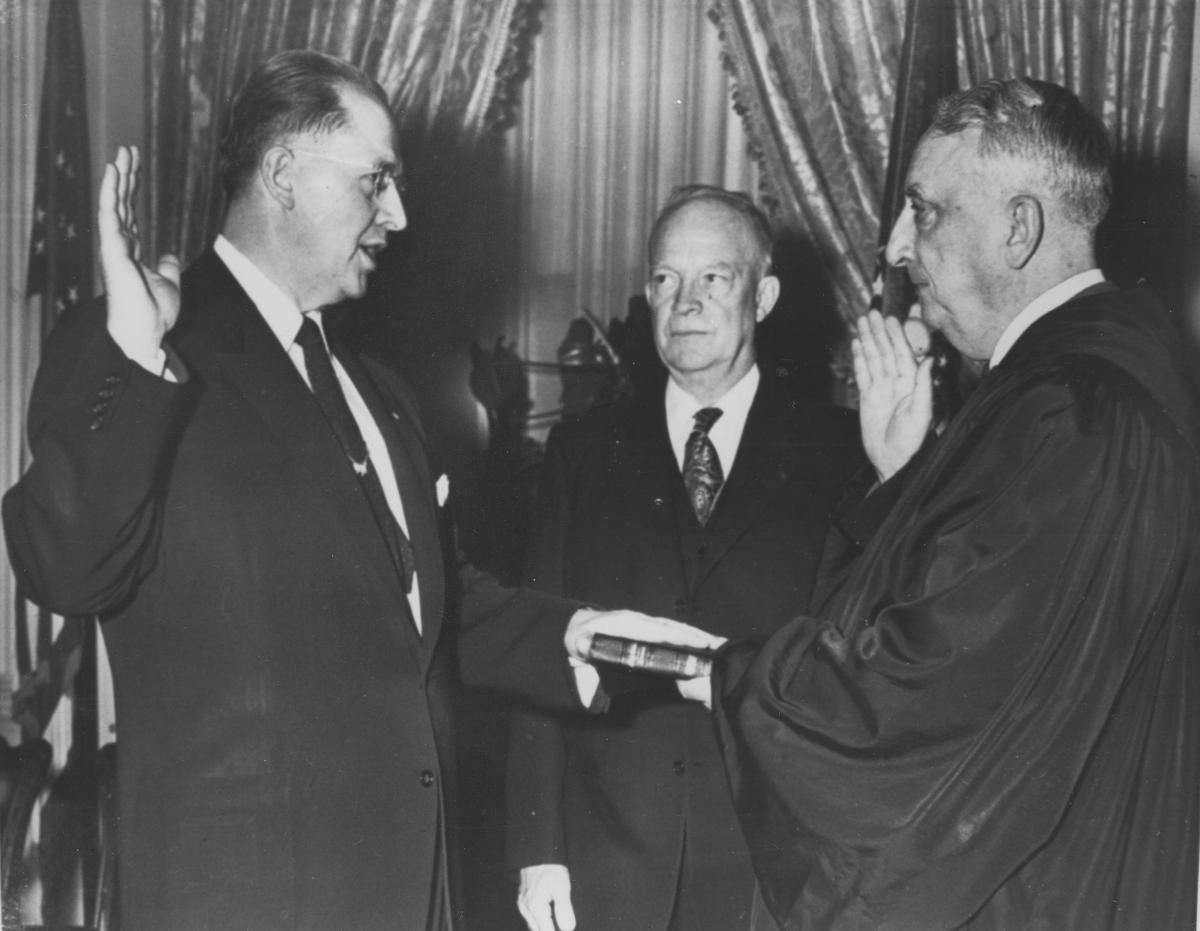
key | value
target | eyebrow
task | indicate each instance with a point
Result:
(390, 167)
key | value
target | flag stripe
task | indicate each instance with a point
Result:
(60, 248)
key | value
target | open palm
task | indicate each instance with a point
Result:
(143, 302)
(895, 393)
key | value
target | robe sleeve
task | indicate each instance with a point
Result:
(893, 760)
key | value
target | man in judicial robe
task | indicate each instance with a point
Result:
(255, 521)
(991, 718)
(709, 499)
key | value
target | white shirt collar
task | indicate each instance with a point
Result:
(280, 312)
(726, 433)
(1040, 306)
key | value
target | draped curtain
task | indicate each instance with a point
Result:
(1130, 62)
(626, 100)
(22, 44)
(448, 67)
(817, 82)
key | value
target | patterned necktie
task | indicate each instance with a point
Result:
(333, 405)
(702, 473)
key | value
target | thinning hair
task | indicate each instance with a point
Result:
(754, 219)
(297, 91)
(1044, 125)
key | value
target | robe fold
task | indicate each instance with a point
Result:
(992, 720)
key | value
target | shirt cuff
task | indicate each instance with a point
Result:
(587, 681)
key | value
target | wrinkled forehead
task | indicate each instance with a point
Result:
(707, 227)
(943, 157)
(950, 169)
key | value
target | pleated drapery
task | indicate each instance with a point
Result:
(1130, 62)
(817, 83)
(448, 68)
(626, 100)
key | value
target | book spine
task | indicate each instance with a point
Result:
(649, 657)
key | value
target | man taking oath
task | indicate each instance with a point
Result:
(247, 503)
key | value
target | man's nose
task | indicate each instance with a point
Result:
(390, 211)
(899, 247)
(687, 298)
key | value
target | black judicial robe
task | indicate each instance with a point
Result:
(992, 720)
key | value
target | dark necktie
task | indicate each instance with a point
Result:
(702, 474)
(333, 405)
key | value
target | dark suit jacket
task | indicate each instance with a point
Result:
(612, 797)
(285, 734)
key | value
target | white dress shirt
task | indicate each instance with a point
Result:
(1042, 305)
(726, 433)
(284, 318)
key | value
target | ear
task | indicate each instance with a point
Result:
(765, 296)
(1027, 224)
(276, 172)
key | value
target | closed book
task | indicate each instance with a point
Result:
(679, 662)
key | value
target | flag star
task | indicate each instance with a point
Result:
(40, 215)
(73, 294)
(60, 159)
(39, 246)
(70, 231)
(59, 305)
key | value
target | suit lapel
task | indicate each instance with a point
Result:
(767, 455)
(655, 476)
(253, 362)
(403, 436)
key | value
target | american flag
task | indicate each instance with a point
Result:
(60, 252)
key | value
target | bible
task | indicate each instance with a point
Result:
(664, 658)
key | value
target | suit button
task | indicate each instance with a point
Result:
(95, 424)
(679, 767)
(427, 778)
(680, 605)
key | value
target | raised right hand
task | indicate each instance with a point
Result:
(143, 302)
(544, 898)
(895, 393)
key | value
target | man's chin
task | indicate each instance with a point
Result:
(355, 288)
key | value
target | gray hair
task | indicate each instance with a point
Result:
(755, 220)
(1043, 124)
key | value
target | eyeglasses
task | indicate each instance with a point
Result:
(381, 178)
